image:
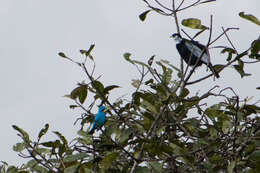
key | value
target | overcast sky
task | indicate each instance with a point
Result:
(34, 78)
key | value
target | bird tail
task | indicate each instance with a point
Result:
(92, 129)
(213, 70)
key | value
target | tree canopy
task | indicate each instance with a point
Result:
(162, 127)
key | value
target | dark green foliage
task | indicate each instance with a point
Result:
(249, 17)
(143, 15)
(162, 127)
(164, 130)
(193, 23)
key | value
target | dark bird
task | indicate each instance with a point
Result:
(193, 52)
(99, 120)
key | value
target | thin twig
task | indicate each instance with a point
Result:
(163, 6)
(182, 61)
(189, 6)
(226, 30)
(99, 92)
(180, 5)
(229, 40)
(210, 30)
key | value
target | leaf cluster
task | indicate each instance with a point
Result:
(162, 127)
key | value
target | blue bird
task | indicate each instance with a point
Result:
(99, 120)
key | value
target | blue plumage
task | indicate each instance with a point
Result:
(99, 120)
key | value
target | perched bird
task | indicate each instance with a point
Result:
(99, 120)
(193, 52)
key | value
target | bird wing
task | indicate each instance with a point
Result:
(92, 129)
(96, 123)
(197, 51)
(100, 119)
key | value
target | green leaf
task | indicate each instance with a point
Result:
(230, 52)
(109, 159)
(251, 109)
(240, 69)
(213, 133)
(150, 61)
(87, 53)
(75, 157)
(148, 120)
(231, 166)
(75, 93)
(43, 151)
(98, 86)
(212, 113)
(34, 167)
(109, 88)
(216, 158)
(176, 149)
(23, 133)
(158, 167)
(136, 98)
(143, 15)
(61, 54)
(83, 133)
(255, 48)
(255, 156)
(51, 144)
(73, 167)
(193, 23)
(249, 17)
(150, 102)
(80, 92)
(73, 106)
(150, 81)
(31, 163)
(136, 83)
(160, 64)
(226, 126)
(43, 131)
(90, 49)
(218, 67)
(83, 93)
(62, 138)
(12, 169)
(149, 106)
(18, 147)
(192, 101)
(85, 138)
(167, 76)
(184, 92)
(127, 57)
(140, 169)
(123, 135)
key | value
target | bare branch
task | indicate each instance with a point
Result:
(229, 40)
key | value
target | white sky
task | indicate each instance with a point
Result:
(34, 78)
